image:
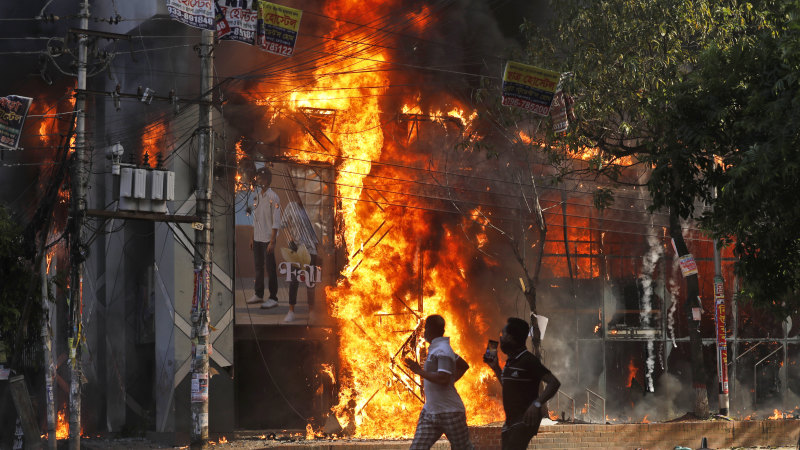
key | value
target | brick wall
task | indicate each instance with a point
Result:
(719, 433)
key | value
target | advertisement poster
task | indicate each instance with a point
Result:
(195, 13)
(240, 22)
(688, 265)
(199, 388)
(529, 87)
(278, 27)
(13, 110)
(267, 25)
(300, 198)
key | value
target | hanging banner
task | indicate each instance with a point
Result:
(558, 113)
(529, 87)
(222, 27)
(688, 265)
(241, 22)
(13, 111)
(277, 28)
(195, 13)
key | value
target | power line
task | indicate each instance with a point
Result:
(403, 166)
(505, 218)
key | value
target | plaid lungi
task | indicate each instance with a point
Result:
(431, 426)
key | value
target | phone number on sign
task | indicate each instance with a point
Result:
(280, 49)
(190, 19)
(525, 104)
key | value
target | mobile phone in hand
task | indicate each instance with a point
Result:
(491, 351)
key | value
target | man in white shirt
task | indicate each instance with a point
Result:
(266, 221)
(443, 411)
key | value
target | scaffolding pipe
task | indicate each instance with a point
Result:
(755, 374)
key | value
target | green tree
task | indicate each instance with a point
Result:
(628, 57)
(740, 106)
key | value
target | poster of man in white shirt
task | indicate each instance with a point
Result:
(284, 244)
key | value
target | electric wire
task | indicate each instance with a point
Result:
(469, 177)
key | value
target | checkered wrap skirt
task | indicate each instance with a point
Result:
(431, 426)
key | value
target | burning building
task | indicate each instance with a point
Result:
(418, 202)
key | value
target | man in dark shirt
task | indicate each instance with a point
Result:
(523, 373)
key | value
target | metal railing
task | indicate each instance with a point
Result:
(595, 402)
(571, 401)
(755, 373)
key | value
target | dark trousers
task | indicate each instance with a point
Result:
(295, 284)
(517, 436)
(259, 251)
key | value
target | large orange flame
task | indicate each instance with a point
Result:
(401, 267)
(62, 425)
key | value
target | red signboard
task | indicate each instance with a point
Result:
(722, 346)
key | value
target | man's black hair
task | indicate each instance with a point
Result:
(518, 329)
(435, 323)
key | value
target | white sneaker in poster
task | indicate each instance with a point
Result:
(269, 303)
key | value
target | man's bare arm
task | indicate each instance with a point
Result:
(551, 389)
(436, 377)
(533, 413)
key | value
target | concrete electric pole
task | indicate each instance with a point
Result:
(80, 180)
(720, 329)
(202, 250)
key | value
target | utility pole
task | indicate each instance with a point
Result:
(49, 362)
(202, 250)
(77, 253)
(721, 333)
(722, 344)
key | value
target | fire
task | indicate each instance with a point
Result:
(482, 239)
(327, 369)
(62, 425)
(311, 434)
(54, 119)
(153, 141)
(44, 133)
(63, 195)
(525, 138)
(240, 155)
(776, 415)
(583, 152)
(553, 415)
(401, 267)
(645, 419)
(223, 440)
(456, 115)
(632, 372)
